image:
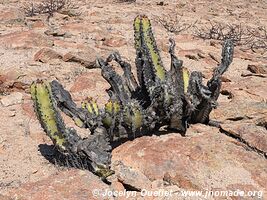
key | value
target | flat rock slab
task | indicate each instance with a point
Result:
(255, 136)
(204, 160)
(24, 40)
(69, 184)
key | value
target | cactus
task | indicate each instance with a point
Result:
(174, 98)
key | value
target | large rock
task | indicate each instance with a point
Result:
(71, 185)
(204, 160)
(24, 40)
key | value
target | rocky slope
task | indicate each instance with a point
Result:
(65, 46)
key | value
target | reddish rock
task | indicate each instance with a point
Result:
(244, 55)
(3, 79)
(130, 176)
(254, 136)
(5, 197)
(257, 69)
(85, 82)
(163, 45)
(183, 38)
(71, 185)
(239, 107)
(69, 44)
(24, 40)
(55, 32)
(208, 159)
(44, 55)
(225, 79)
(116, 185)
(78, 28)
(28, 109)
(7, 15)
(215, 57)
(9, 82)
(38, 25)
(210, 61)
(194, 54)
(86, 59)
(114, 42)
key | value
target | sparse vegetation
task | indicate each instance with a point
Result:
(219, 31)
(174, 23)
(46, 7)
(251, 38)
(259, 38)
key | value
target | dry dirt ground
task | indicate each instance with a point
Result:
(231, 158)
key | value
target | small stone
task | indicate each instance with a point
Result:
(44, 55)
(55, 32)
(72, 12)
(225, 79)
(257, 69)
(115, 42)
(12, 113)
(214, 57)
(193, 54)
(12, 99)
(131, 177)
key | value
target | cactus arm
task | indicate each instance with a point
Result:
(47, 113)
(150, 70)
(127, 75)
(96, 148)
(66, 104)
(138, 48)
(214, 84)
(149, 43)
(179, 80)
(227, 58)
(116, 82)
(208, 95)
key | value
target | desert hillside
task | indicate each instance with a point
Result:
(64, 45)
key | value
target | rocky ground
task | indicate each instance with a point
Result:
(65, 46)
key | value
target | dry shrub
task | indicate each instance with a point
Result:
(174, 23)
(250, 38)
(46, 7)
